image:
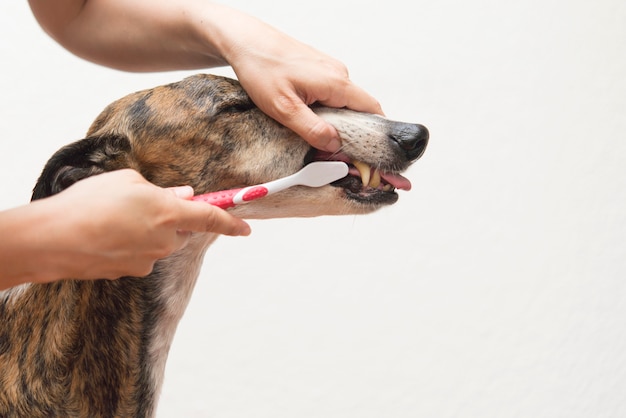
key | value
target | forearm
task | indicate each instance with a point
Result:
(149, 35)
(281, 75)
(106, 226)
(30, 245)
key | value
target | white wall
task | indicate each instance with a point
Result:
(495, 288)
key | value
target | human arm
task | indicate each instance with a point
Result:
(106, 226)
(282, 75)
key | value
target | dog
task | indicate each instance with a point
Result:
(98, 348)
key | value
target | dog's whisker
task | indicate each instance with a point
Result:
(122, 330)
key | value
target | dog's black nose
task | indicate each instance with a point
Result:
(412, 138)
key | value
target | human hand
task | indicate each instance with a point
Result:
(118, 224)
(283, 77)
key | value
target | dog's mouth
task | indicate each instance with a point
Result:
(364, 183)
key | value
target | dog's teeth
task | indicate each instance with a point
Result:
(387, 187)
(375, 180)
(364, 170)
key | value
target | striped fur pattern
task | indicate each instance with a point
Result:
(98, 348)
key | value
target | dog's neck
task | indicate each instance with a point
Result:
(98, 345)
(177, 277)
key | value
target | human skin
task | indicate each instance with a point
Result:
(282, 75)
(106, 226)
(69, 235)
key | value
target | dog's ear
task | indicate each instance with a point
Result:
(81, 159)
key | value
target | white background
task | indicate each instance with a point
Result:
(495, 288)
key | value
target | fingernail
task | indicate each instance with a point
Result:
(333, 145)
(245, 231)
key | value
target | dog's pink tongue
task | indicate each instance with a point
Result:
(397, 181)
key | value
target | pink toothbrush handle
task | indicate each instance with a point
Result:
(229, 198)
(223, 199)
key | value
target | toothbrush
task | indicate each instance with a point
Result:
(316, 174)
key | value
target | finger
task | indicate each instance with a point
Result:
(354, 98)
(313, 129)
(182, 192)
(182, 239)
(200, 217)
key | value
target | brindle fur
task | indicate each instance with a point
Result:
(98, 348)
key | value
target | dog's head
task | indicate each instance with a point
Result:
(205, 131)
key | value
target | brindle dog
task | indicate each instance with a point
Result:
(98, 348)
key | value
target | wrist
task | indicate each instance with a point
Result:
(36, 249)
(229, 34)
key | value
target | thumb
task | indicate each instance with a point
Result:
(313, 129)
(202, 217)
